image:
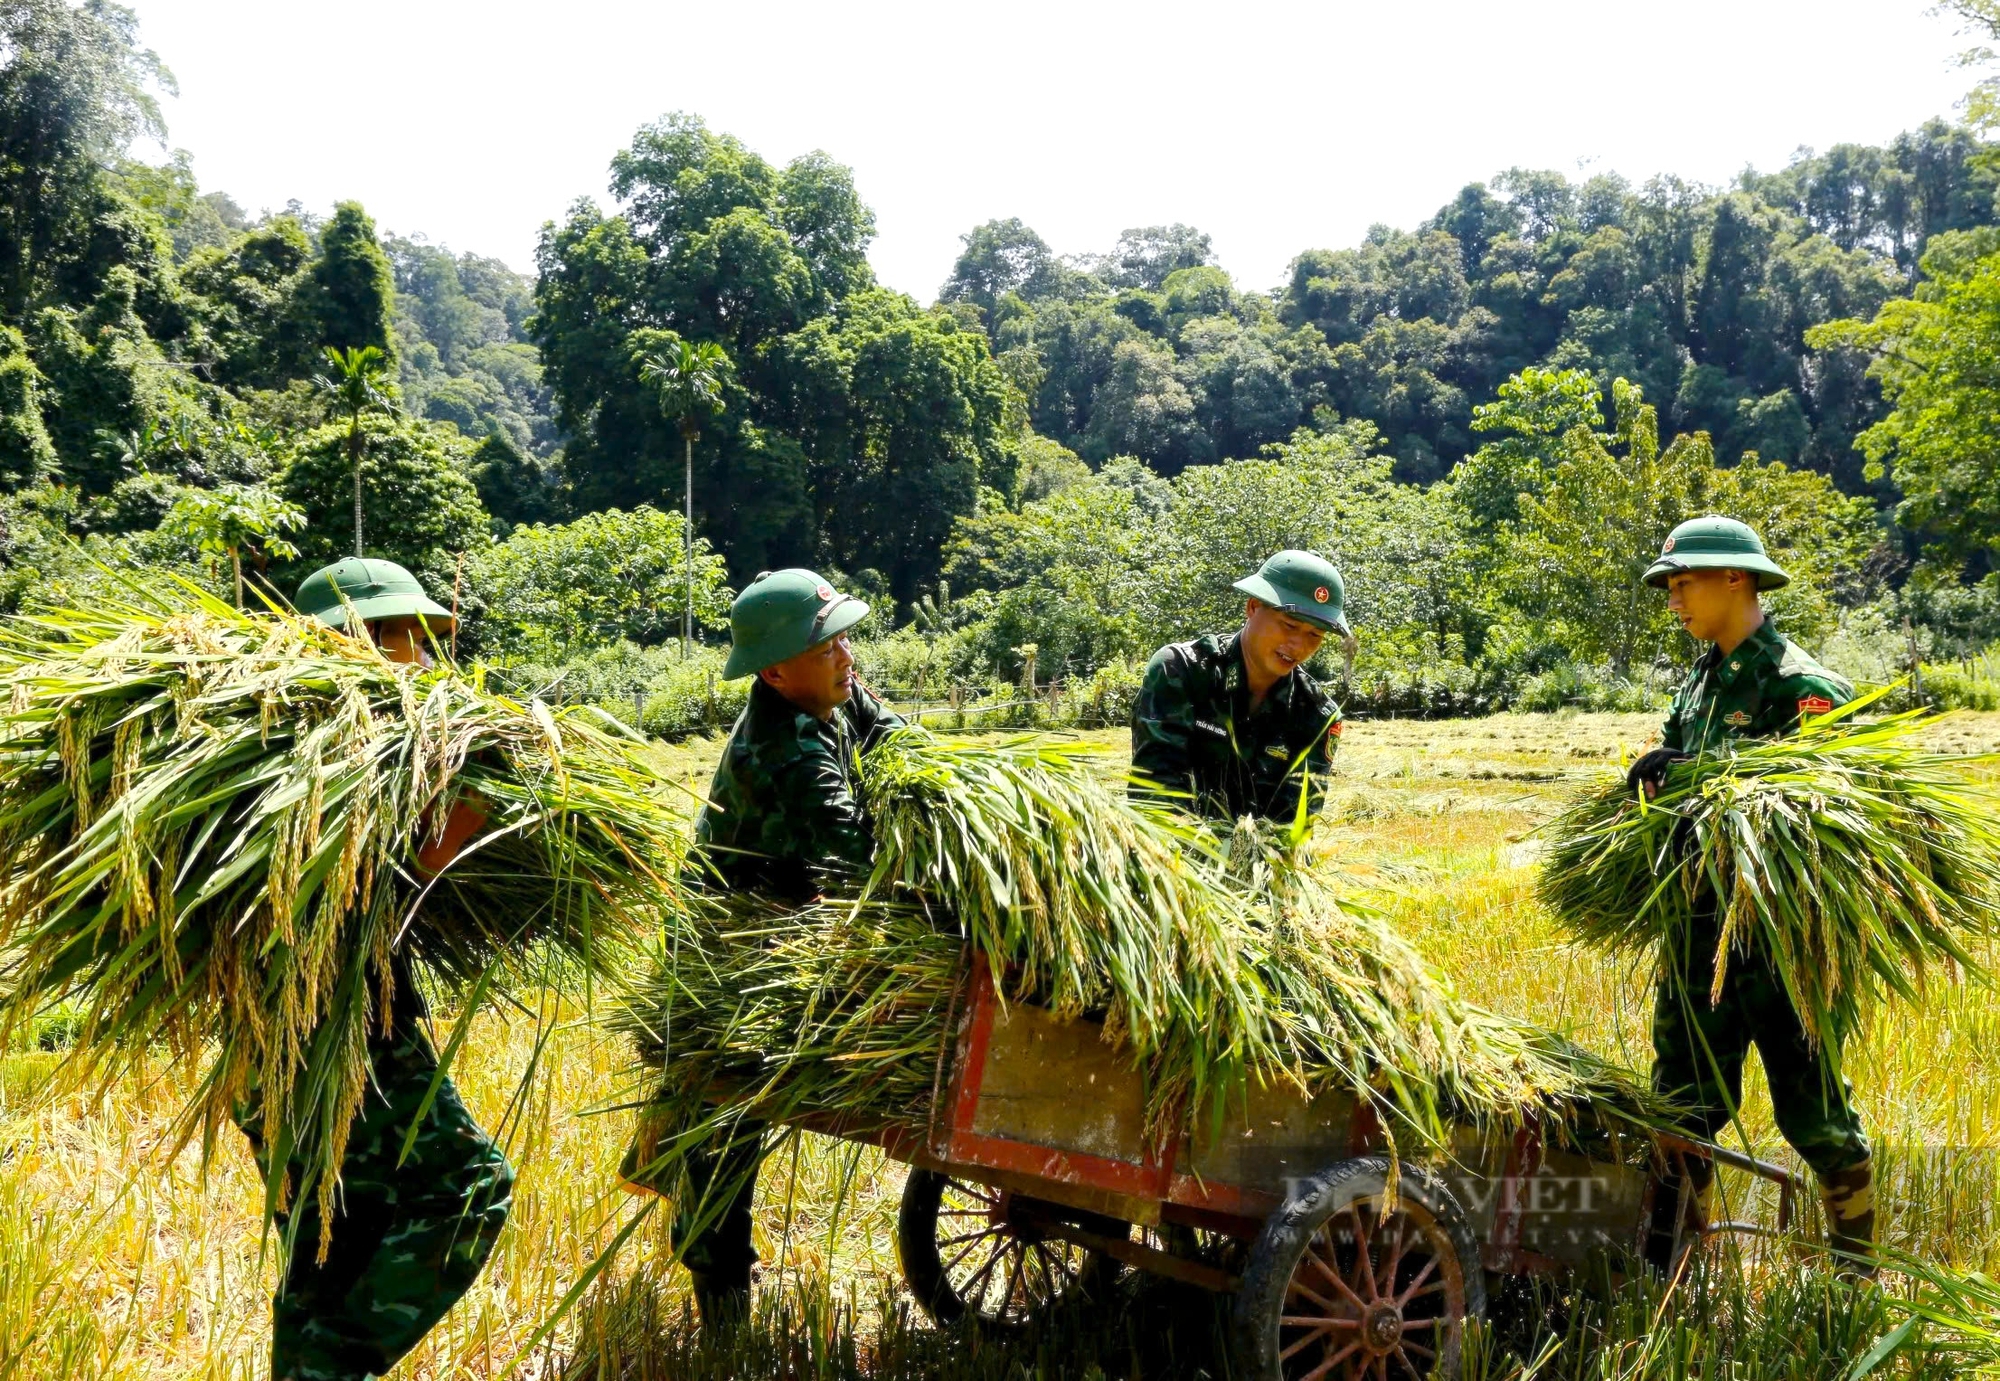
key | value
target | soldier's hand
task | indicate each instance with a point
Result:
(1650, 771)
(464, 821)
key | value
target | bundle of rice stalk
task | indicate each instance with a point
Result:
(1073, 895)
(1848, 857)
(210, 820)
(836, 1007)
(1018, 857)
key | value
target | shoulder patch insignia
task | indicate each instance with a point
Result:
(1815, 704)
(1737, 718)
(1334, 729)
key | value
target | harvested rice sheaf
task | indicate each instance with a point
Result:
(210, 819)
(1210, 961)
(1848, 856)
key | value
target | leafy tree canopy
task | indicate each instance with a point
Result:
(1937, 358)
(854, 426)
(423, 509)
(551, 591)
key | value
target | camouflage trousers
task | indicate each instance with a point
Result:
(711, 1228)
(1699, 1051)
(407, 1239)
(711, 1189)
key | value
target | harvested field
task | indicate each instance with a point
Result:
(113, 1265)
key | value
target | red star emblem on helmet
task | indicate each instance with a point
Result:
(1322, 594)
(824, 592)
(1666, 546)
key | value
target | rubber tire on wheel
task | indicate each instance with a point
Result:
(923, 1264)
(1425, 1204)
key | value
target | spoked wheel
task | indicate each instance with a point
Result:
(1338, 1288)
(970, 1252)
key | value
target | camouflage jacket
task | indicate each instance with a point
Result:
(783, 810)
(1193, 734)
(1760, 690)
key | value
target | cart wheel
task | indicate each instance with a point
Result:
(964, 1256)
(1337, 1289)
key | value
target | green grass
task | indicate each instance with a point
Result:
(115, 1265)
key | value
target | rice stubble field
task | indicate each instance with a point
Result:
(115, 1263)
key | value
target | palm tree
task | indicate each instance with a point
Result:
(689, 379)
(359, 383)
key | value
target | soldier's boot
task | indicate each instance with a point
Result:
(1849, 1197)
(722, 1298)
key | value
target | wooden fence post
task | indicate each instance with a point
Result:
(1916, 662)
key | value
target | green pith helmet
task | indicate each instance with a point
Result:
(782, 613)
(373, 589)
(1715, 543)
(1304, 585)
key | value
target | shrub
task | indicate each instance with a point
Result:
(1571, 686)
(692, 698)
(649, 688)
(1973, 684)
(603, 675)
(1106, 698)
(907, 661)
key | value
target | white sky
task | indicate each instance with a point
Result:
(1273, 126)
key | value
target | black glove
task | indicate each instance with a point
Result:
(1651, 768)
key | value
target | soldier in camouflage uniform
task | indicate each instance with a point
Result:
(1752, 682)
(783, 817)
(1233, 726)
(407, 1238)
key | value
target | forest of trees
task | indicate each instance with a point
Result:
(1039, 458)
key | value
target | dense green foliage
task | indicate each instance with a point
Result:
(465, 357)
(1701, 297)
(1937, 356)
(613, 576)
(1112, 564)
(1489, 420)
(856, 425)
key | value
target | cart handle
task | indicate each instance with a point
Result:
(1789, 1184)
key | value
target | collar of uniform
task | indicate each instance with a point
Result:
(772, 714)
(1747, 656)
(1234, 674)
(1236, 677)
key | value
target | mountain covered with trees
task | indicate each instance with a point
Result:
(1056, 458)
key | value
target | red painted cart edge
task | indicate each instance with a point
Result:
(1183, 1197)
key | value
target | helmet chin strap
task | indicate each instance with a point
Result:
(825, 613)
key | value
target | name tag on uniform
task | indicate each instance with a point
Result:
(1208, 728)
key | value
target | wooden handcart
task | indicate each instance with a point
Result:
(1034, 1179)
